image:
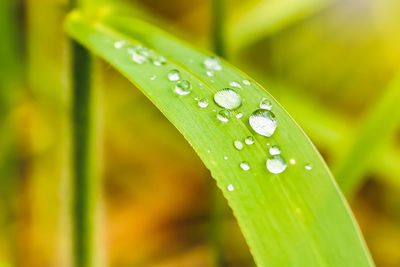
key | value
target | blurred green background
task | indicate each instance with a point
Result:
(329, 62)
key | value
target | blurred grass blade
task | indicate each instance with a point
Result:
(295, 218)
(259, 18)
(379, 125)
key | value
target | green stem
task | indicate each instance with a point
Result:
(218, 27)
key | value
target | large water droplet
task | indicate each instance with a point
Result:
(276, 164)
(235, 84)
(230, 188)
(274, 150)
(174, 75)
(308, 167)
(265, 104)
(228, 98)
(203, 102)
(238, 144)
(245, 166)
(249, 140)
(213, 63)
(263, 122)
(183, 87)
(224, 115)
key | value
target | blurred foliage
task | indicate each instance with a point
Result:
(328, 67)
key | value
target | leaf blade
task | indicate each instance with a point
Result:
(299, 203)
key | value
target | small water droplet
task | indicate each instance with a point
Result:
(274, 150)
(265, 104)
(246, 82)
(224, 115)
(174, 75)
(239, 115)
(238, 144)
(210, 73)
(276, 164)
(213, 63)
(152, 78)
(292, 161)
(249, 140)
(245, 166)
(139, 54)
(159, 61)
(228, 98)
(230, 188)
(308, 167)
(119, 44)
(183, 87)
(225, 158)
(263, 122)
(208, 151)
(203, 102)
(235, 84)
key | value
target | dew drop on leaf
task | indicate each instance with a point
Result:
(245, 166)
(308, 167)
(159, 61)
(152, 78)
(174, 75)
(249, 140)
(235, 84)
(246, 82)
(238, 144)
(210, 73)
(139, 54)
(265, 104)
(276, 164)
(274, 150)
(119, 44)
(224, 115)
(212, 63)
(263, 122)
(239, 115)
(183, 87)
(230, 188)
(228, 98)
(292, 161)
(225, 158)
(203, 102)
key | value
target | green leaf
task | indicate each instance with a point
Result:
(295, 218)
(380, 123)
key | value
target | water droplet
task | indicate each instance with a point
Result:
(203, 102)
(119, 44)
(183, 87)
(225, 158)
(213, 63)
(235, 84)
(174, 75)
(239, 115)
(230, 188)
(224, 115)
(276, 164)
(249, 140)
(159, 61)
(238, 144)
(265, 104)
(210, 73)
(274, 150)
(245, 166)
(208, 151)
(246, 82)
(292, 161)
(263, 122)
(228, 98)
(308, 167)
(139, 54)
(152, 78)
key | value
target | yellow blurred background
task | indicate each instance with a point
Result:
(327, 61)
